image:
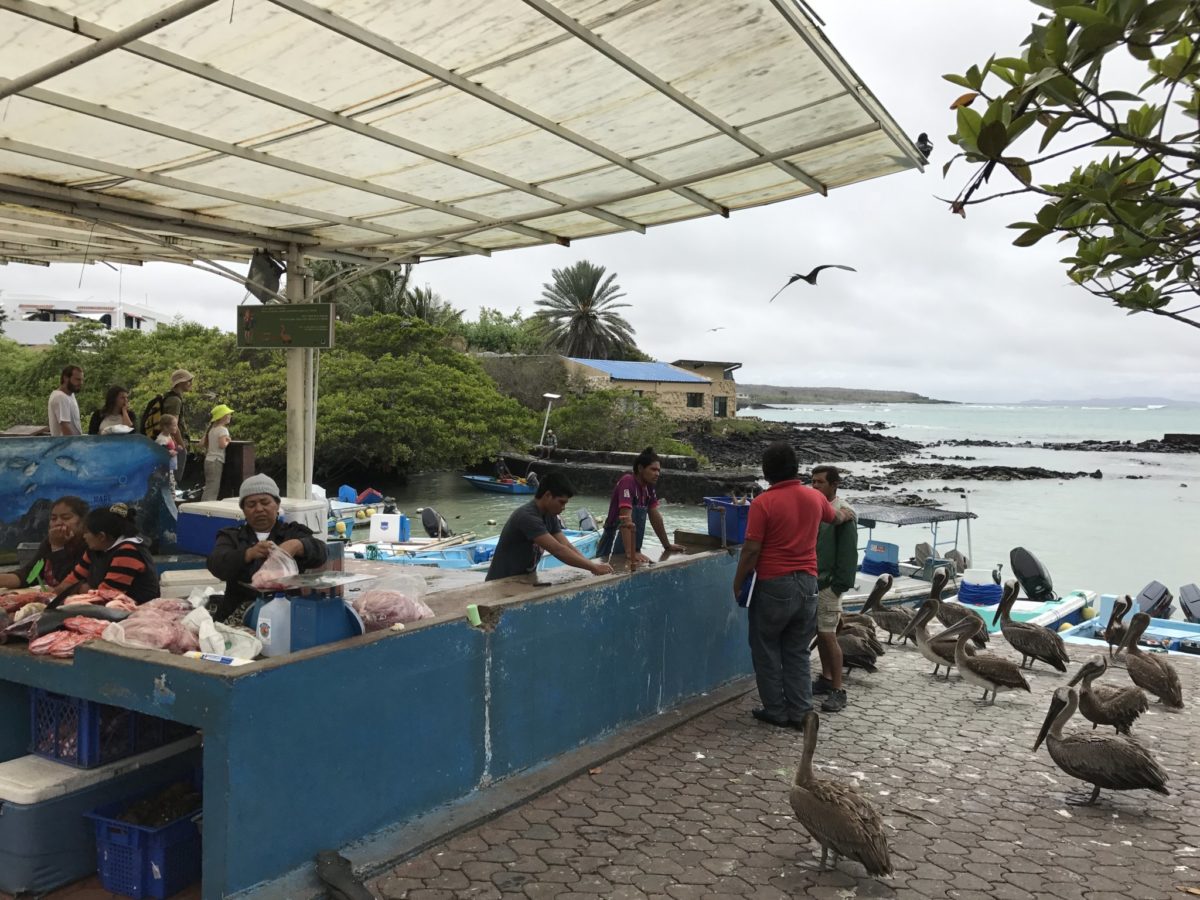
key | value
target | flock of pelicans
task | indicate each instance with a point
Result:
(847, 825)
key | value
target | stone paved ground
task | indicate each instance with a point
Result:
(970, 811)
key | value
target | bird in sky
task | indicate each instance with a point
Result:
(811, 277)
(718, 328)
(924, 144)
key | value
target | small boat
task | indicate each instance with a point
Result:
(495, 485)
(1161, 635)
(468, 554)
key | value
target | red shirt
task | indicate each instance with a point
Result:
(785, 519)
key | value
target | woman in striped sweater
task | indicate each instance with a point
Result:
(116, 557)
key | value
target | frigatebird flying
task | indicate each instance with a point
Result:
(811, 277)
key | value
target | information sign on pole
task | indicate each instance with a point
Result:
(285, 326)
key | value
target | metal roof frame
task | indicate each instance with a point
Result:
(443, 147)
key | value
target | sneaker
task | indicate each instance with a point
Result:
(822, 685)
(835, 702)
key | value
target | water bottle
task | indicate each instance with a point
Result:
(275, 626)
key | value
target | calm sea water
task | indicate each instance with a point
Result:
(1110, 535)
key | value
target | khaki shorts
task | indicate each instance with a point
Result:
(829, 610)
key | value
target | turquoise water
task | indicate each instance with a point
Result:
(1109, 535)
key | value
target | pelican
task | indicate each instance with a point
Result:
(883, 584)
(1150, 671)
(1031, 641)
(861, 631)
(1106, 704)
(985, 670)
(1115, 632)
(836, 815)
(857, 651)
(938, 649)
(950, 613)
(1112, 761)
(892, 619)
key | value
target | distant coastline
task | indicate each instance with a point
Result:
(770, 393)
(1127, 402)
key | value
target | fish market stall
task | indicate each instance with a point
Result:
(335, 743)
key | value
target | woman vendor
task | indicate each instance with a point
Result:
(240, 551)
(634, 500)
(59, 553)
(116, 558)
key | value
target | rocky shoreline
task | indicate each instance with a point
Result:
(1090, 446)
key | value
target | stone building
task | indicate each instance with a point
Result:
(706, 391)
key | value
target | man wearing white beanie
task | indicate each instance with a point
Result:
(241, 550)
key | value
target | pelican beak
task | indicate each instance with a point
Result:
(996, 617)
(1056, 706)
(1075, 680)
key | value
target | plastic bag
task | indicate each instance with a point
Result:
(278, 565)
(382, 609)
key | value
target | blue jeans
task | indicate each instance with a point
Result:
(783, 623)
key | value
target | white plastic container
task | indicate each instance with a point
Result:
(313, 514)
(389, 528)
(978, 576)
(274, 626)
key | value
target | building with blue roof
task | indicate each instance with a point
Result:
(684, 389)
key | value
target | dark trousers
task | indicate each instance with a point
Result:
(783, 622)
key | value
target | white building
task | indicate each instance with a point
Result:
(36, 319)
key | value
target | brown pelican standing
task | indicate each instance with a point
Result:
(1150, 671)
(1106, 704)
(857, 651)
(836, 815)
(861, 631)
(985, 670)
(938, 649)
(1112, 761)
(1114, 634)
(883, 584)
(892, 619)
(950, 613)
(1031, 641)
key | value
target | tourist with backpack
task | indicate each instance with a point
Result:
(171, 404)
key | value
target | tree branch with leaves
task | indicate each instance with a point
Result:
(1131, 204)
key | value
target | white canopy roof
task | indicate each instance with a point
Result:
(376, 130)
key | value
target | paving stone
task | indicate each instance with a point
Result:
(970, 812)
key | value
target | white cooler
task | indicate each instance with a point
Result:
(311, 513)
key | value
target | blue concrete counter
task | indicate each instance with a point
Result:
(323, 747)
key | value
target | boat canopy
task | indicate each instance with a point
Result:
(872, 514)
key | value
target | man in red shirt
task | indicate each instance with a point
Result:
(781, 550)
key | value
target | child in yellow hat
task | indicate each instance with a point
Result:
(216, 439)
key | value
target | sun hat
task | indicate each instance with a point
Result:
(219, 411)
(258, 484)
(179, 376)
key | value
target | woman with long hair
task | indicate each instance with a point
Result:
(59, 552)
(634, 501)
(116, 557)
(115, 416)
(216, 439)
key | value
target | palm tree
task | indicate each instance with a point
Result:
(425, 304)
(578, 315)
(381, 291)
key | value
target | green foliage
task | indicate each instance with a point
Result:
(1132, 204)
(392, 394)
(577, 314)
(612, 420)
(494, 332)
(383, 291)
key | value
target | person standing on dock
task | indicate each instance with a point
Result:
(781, 550)
(534, 529)
(634, 501)
(837, 564)
(63, 408)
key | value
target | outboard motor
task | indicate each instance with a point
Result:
(1189, 599)
(1155, 600)
(587, 522)
(434, 524)
(1033, 577)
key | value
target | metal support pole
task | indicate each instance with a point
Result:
(297, 413)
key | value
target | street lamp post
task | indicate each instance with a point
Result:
(550, 398)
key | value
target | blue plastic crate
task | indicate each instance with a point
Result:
(138, 861)
(736, 516)
(79, 732)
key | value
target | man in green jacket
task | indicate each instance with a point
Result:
(837, 563)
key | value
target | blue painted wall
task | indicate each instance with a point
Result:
(129, 469)
(337, 743)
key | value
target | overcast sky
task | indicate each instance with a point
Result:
(939, 305)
